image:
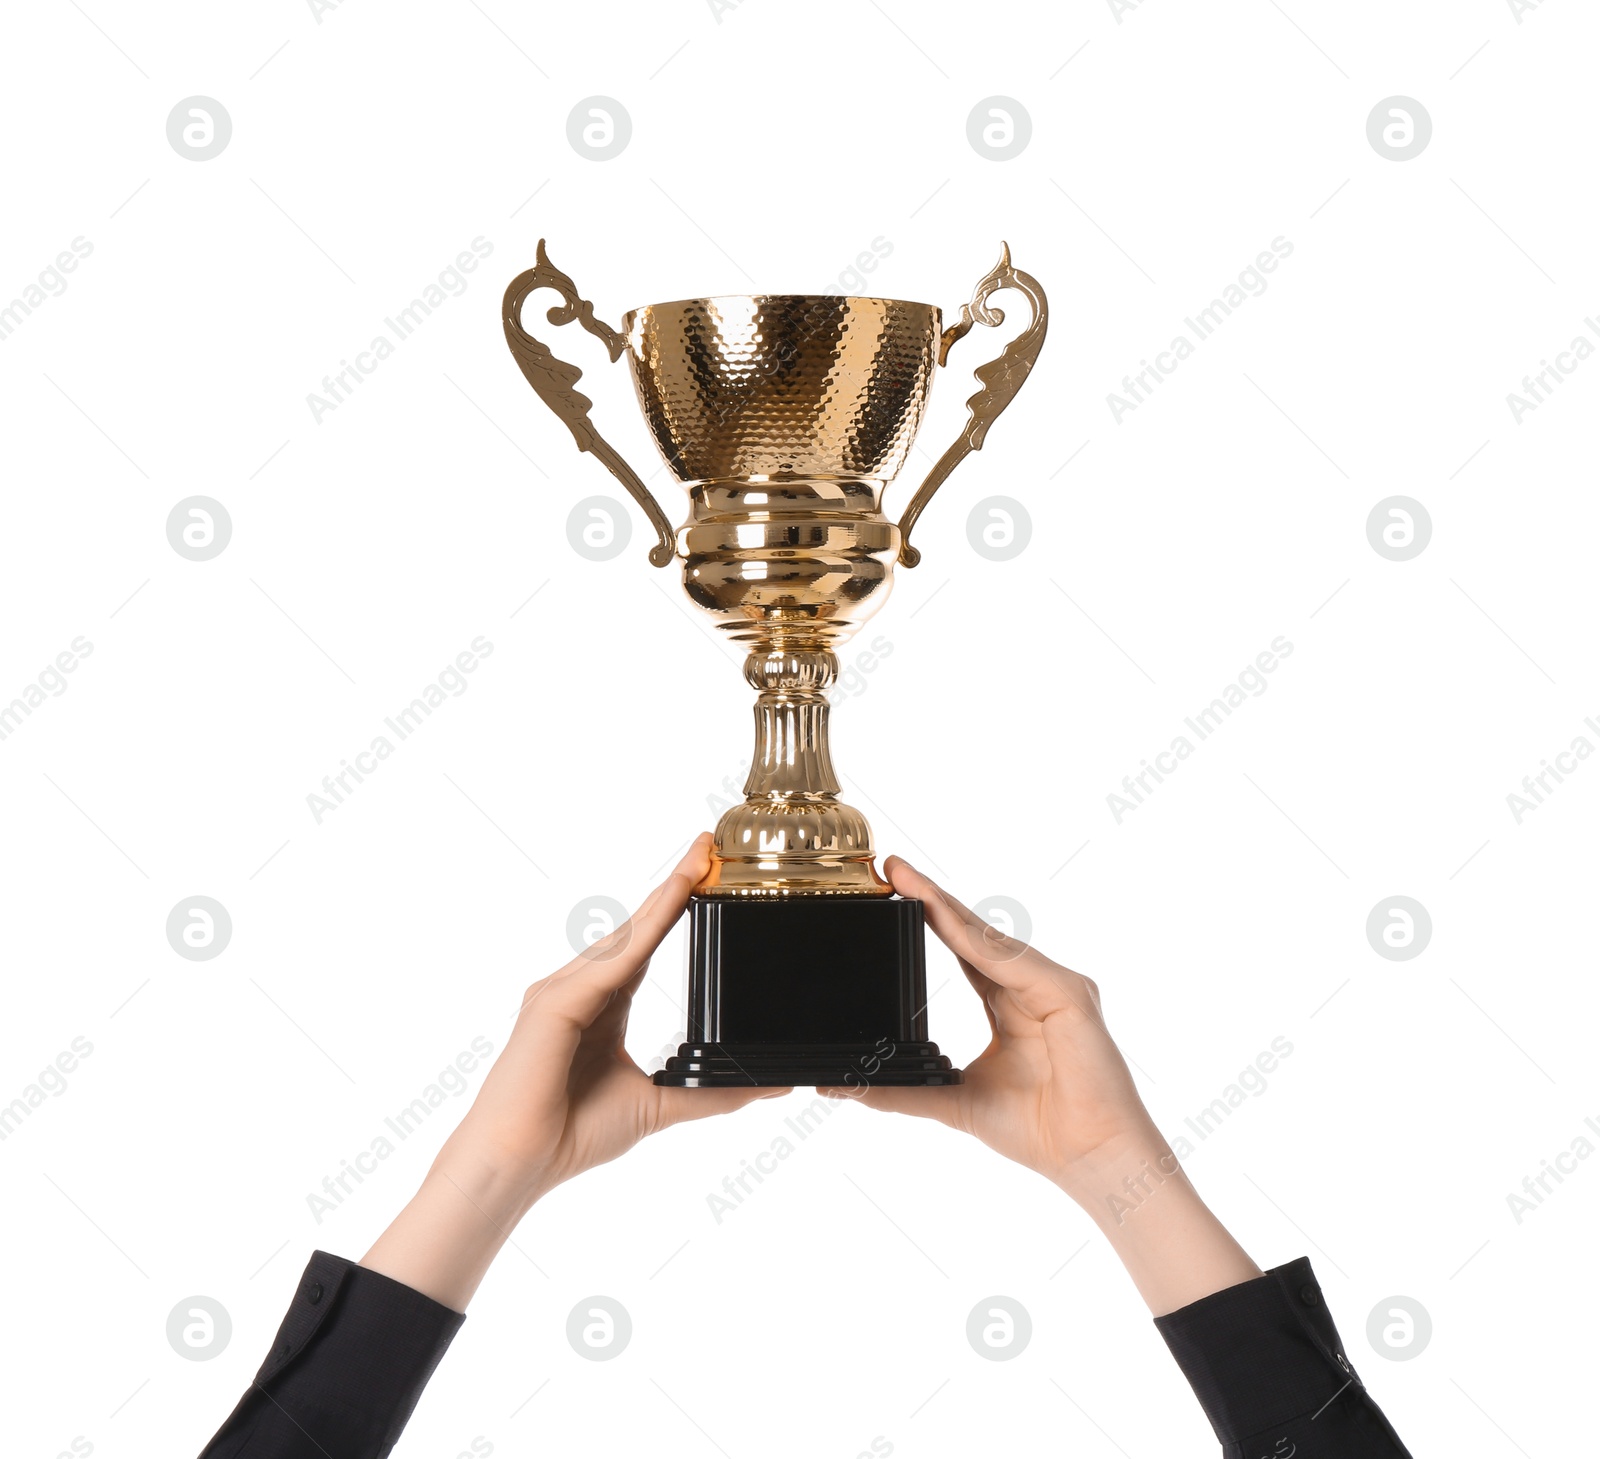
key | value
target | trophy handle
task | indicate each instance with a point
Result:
(1001, 377)
(554, 379)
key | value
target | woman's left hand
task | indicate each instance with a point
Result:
(563, 1096)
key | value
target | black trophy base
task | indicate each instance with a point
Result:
(807, 991)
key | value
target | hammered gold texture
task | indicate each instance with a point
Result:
(783, 385)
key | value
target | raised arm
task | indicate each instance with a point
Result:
(1053, 1092)
(360, 1341)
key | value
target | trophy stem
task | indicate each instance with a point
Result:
(791, 755)
(792, 836)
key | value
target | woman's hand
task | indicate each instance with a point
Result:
(1053, 1092)
(563, 1096)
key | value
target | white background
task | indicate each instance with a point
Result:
(1169, 147)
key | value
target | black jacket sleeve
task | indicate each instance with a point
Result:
(350, 1361)
(1267, 1365)
(356, 1349)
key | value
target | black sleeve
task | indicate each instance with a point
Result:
(1267, 1365)
(350, 1361)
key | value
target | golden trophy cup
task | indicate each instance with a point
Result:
(785, 416)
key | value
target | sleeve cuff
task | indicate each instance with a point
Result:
(1260, 1354)
(354, 1352)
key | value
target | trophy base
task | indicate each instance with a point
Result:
(807, 991)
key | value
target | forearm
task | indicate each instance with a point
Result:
(444, 1240)
(1173, 1247)
(1259, 1349)
(360, 1342)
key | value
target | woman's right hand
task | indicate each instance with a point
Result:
(1051, 1091)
